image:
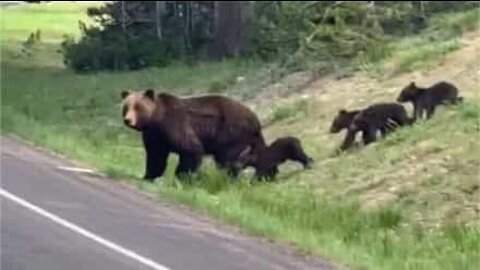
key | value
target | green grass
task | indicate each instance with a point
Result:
(407, 202)
(422, 56)
(339, 231)
(287, 111)
(440, 38)
(425, 49)
(53, 21)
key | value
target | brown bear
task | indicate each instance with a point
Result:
(383, 117)
(342, 120)
(267, 160)
(191, 127)
(426, 99)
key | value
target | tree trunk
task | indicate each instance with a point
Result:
(232, 28)
(187, 25)
(158, 18)
(124, 17)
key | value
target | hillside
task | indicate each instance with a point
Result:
(411, 201)
(433, 161)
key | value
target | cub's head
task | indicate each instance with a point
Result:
(408, 93)
(138, 108)
(245, 159)
(342, 120)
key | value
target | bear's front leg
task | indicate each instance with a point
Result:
(349, 139)
(418, 110)
(156, 157)
(156, 162)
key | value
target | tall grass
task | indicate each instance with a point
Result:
(340, 231)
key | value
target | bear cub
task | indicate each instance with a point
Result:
(342, 120)
(427, 99)
(383, 117)
(266, 161)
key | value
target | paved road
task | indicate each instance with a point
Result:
(58, 219)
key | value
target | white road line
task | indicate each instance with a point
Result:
(75, 169)
(56, 219)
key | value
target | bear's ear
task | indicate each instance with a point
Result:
(149, 93)
(342, 111)
(125, 94)
(412, 84)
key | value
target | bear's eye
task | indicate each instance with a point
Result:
(137, 107)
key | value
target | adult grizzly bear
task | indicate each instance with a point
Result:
(426, 99)
(191, 127)
(266, 160)
(381, 116)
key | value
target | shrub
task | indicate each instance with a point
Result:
(113, 50)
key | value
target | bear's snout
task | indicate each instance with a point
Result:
(334, 129)
(127, 122)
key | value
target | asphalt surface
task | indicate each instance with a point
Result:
(53, 218)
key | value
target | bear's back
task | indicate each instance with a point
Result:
(443, 90)
(383, 109)
(229, 110)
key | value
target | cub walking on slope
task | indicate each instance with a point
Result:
(385, 117)
(266, 161)
(427, 99)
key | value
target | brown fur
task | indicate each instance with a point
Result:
(383, 117)
(342, 120)
(267, 160)
(427, 99)
(191, 127)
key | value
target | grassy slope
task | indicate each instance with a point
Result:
(425, 178)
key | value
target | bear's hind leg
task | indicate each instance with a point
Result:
(430, 111)
(229, 158)
(300, 156)
(369, 135)
(188, 163)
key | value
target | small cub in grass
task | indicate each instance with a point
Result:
(267, 160)
(427, 99)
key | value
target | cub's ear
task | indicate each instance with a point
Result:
(412, 84)
(342, 111)
(149, 93)
(125, 94)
